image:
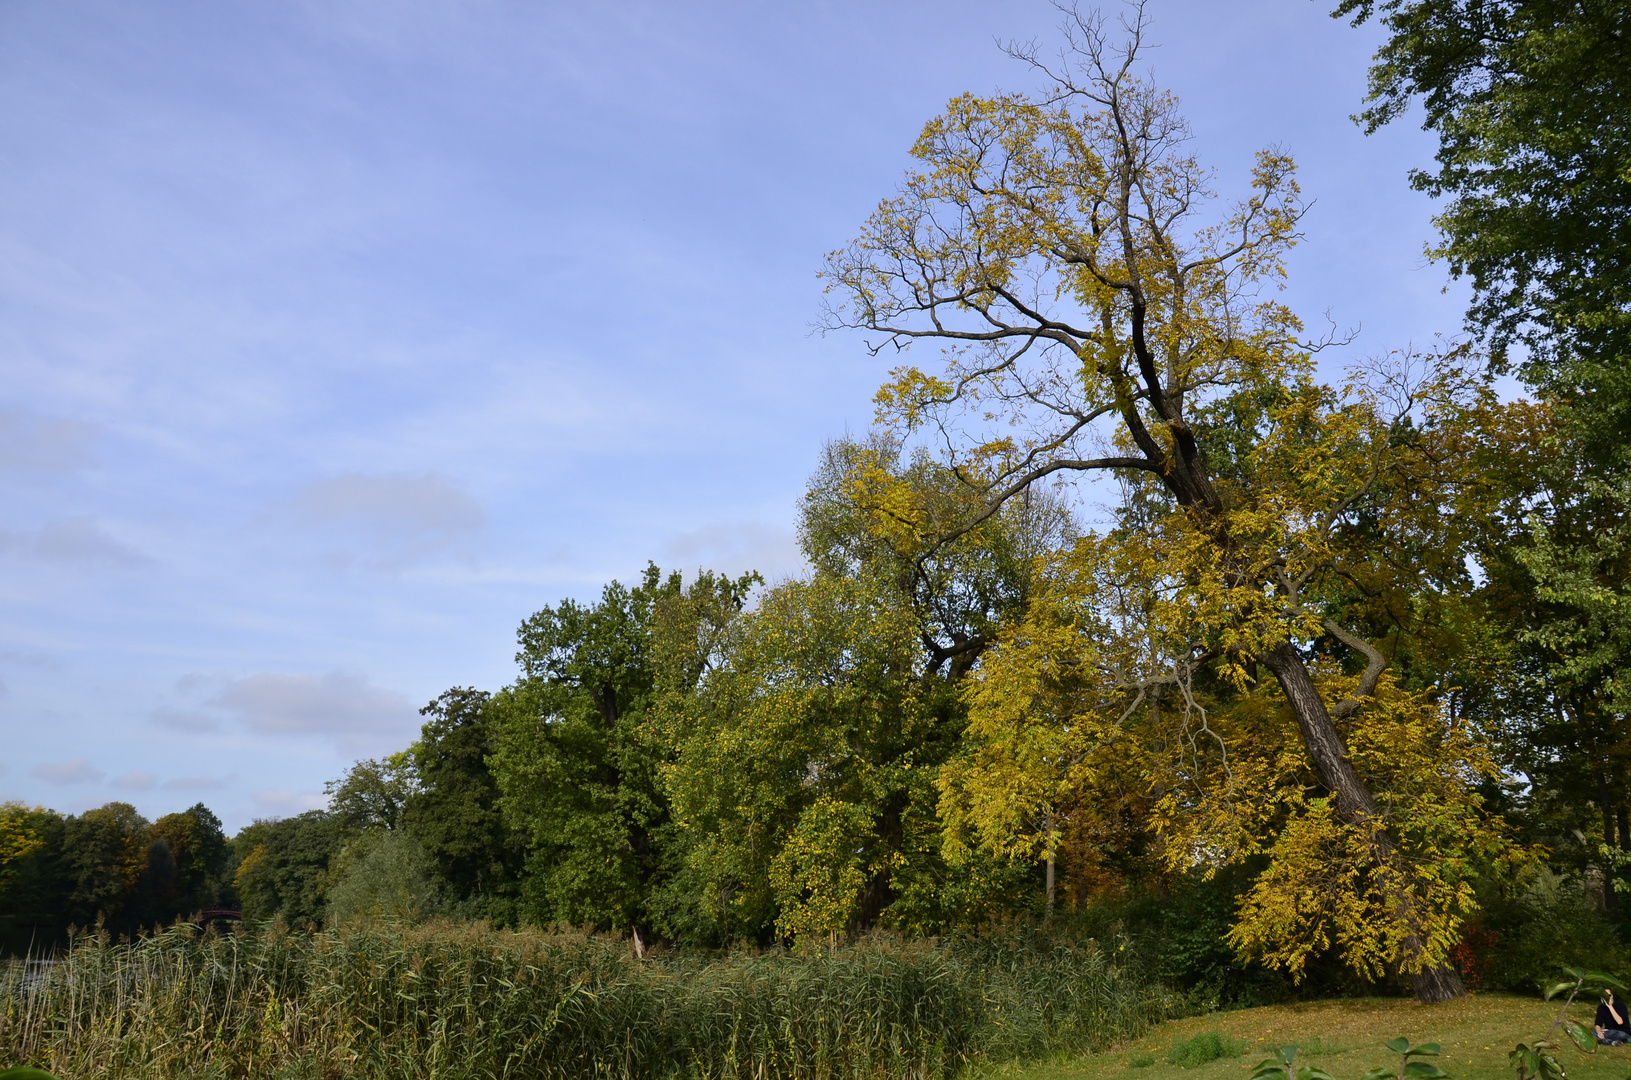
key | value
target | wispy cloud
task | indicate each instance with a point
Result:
(386, 520)
(71, 540)
(283, 802)
(73, 771)
(338, 705)
(135, 780)
(41, 444)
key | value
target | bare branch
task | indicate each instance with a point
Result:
(1375, 664)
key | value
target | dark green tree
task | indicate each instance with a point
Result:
(454, 811)
(186, 864)
(577, 772)
(33, 883)
(372, 794)
(1531, 102)
(283, 867)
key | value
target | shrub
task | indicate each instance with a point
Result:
(1198, 1050)
(1521, 940)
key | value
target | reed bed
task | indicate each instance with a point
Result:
(455, 1001)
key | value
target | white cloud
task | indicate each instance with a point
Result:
(71, 540)
(339, 705)
(73, 771)
(135, 780)
(38, 444)
(393, 518)
(282, 802)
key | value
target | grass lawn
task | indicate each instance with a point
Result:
(1344, 1038)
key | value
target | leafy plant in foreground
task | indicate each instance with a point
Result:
(1537, 1060)
(1284, 1062)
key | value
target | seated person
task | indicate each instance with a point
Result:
(1611, 1027)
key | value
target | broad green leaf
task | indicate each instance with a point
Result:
(1602, 978)
(1310, 1072)
(1422, 1070)
(1557, 988)
(1582, 1036)
(25, 1072)
(1377, 1074)
(1425, 1050)
(1287, 1054)
(1398, 1045)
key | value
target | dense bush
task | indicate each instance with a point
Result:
(463, 1000)
(1521, 939)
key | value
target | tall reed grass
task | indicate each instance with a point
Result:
(461, 1000)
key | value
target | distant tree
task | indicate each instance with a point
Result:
(474, 859)
(187, 858)
(372, 794)
(283, 867)
(32, 885)
(806, 745)
(105, 858)
(380, 875)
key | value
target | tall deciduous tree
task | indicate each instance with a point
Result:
(1091, 327)
(577, 775)
(805, 749)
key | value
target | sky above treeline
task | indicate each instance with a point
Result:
(336, 337)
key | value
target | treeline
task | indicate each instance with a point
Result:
(700, 761)
(109, 868)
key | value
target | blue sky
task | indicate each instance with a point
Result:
(337, 337)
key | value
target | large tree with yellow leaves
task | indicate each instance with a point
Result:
(1204, 653)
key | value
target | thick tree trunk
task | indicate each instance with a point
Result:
(1437, 984)
(1610, 901)
(1353, 799)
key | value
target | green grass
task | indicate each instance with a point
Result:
(1476, 1032)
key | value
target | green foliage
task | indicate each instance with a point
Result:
(574, 763)
(283, 867)
(475, 860)
(108, 867)
(804, 763)
(1545, 924)
(1201, 1048)
(1531, 100)
(372, 794)
(465, 1001)
(380, 875)
(1284, 1063)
